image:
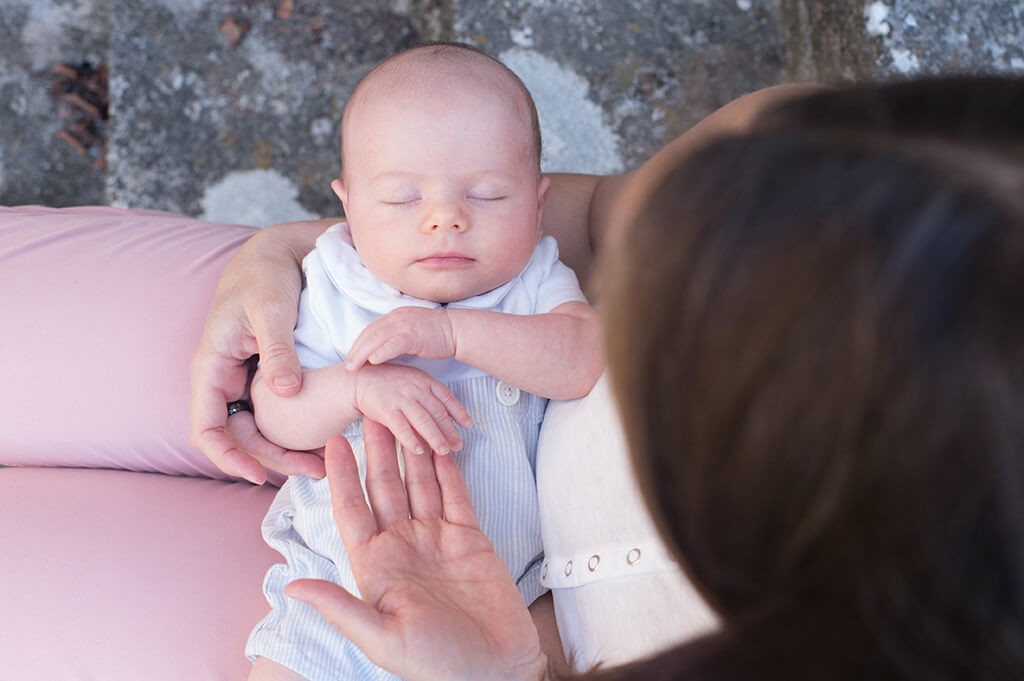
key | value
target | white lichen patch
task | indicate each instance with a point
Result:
(928, 36)
(576, 136)
(321, 129)
(904, 61)
(523, 37)
(875, 15)
(255, 197)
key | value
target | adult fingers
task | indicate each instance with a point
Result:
(221, 450)
(274, 331)
(356, 620)
(242, 428)
(208, 419)
(423, 491)
(354, 519)
(290, 462)
(458, 507)
(384, 485)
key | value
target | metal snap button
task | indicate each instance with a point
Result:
(507, 394)
(568, 568)
(633, 556)
(594, 561)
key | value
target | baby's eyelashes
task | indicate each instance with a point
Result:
(411, 201)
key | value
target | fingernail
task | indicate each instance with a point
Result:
(286, 379)
(443, 450)
(419, 450)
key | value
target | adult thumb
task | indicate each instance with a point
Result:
(280, 366)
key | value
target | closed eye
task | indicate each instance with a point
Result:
(487, 199)
(396, 204)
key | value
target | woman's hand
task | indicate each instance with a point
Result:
(253, 311)
(437, 602)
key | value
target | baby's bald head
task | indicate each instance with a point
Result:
(441, 70)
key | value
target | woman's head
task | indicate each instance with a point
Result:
(818, 349)
(980, 112)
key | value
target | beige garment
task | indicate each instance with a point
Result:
(618, 594)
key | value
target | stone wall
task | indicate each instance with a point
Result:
(229, 109)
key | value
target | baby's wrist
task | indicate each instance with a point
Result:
(351, 388)
(451, 320)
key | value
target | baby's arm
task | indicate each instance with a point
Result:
(557, 354)
(414, 406)
(325, 406)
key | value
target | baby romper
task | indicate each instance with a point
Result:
(497, 459)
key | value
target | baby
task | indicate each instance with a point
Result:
(437, 310)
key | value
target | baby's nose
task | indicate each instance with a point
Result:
(446, 218)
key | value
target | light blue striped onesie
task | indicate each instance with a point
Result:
(498, 457)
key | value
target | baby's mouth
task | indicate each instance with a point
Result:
(446, 260)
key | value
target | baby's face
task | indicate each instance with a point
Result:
(442, 193)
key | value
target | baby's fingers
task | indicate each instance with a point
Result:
(429, 428)
(451, 404)
(359, 353)
(439, 413)
(375, 351)
(404, 432)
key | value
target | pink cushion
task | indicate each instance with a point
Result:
(125, 576)
(102, 311)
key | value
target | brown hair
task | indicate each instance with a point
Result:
(823, 394)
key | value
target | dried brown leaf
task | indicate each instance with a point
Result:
(285, 9)
(234, 30)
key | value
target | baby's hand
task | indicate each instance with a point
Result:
(405, 331)
(414, 406)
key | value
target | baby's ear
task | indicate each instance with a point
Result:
(542, 191)
(341, 192)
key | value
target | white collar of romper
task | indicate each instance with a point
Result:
(352, 278)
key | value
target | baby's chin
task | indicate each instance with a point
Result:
(446, 294)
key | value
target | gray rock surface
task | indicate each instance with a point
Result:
(855, 40)
(35, 165)
(191, 111)
(651, 69)
(247, 132)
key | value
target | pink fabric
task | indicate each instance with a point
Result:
(102, 309)
(119, 576)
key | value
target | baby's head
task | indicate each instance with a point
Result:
(440, 176)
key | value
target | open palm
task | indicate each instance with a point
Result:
(437, 602)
